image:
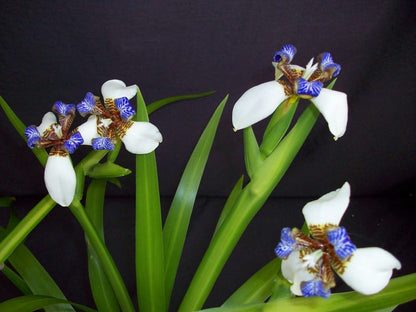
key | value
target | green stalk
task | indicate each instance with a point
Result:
(22, 230)
(105, 258)
(247, 205)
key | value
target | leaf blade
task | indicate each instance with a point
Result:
(177, 221)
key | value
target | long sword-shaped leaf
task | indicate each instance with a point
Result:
(400, 290)
(163, 102)
(251, 199)
(177, 221)
(16, 280)
(35, 276)
(20, 127)
(150, 277)
(258, 287)
(33, 303)
(235, 192)
(102, 292)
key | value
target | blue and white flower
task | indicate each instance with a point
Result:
(309, 261)
(59, 173)
(111, 121)
(262, 100)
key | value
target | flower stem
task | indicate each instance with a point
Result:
(247, 205)
(24, 227)
(107, 262)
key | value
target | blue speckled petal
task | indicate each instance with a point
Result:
(33, 136)
(73, 142)
(315, 288)
(327, 64)
(286, 54)
(126, 110)
(307, 88)
(102, 143)
(87, 104)
(286, 244)
(63, 109)
(339, 238)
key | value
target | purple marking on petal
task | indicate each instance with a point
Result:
(340, 240)
(286, 54)
(305, 87)
(126, 110)
(314, 288)
(286, 244)
(63, 109)
(326, 63)
(33, 136)
(87, 104)
(73, 142)
(102, 143)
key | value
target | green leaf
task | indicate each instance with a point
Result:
(150, 266)
(108, 170)
(258, 287)
(252, 155)
(20, 127)
(33, 302)
(16, 280)
(249, 202)
(102, 292)
(177, 222)
(22, 230)
(34, 275)
(278, 125)
(7, 201)
(235, 192)
(163, 102)
(399, 290)
(103, 254)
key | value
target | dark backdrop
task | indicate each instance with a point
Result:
(59, 50)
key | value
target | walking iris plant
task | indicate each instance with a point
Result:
(294, 281)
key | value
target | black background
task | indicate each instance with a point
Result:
(59, 50)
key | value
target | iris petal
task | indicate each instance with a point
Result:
(102, 143)
(63, 109)
(73, 142)
(257, 103)
(286, 244)
(115, 89)
(306, 88)
(334, 107)
(60, 179)
(87, 104)
(286, 54)
(315, 288)
(48, 120)
(142, 137)
(88, 130)
(33, 136)
(329, 208)
(124, 107)
(295, 272)
(340, 240)
(369, 270)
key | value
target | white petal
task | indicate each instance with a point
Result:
(334, 107)
(329, 208)
(60, 179)
(293, 269)
(115, 89)
(88, 130)
(257, 103)
(48, 119)
(142, 138)
(370, 270)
